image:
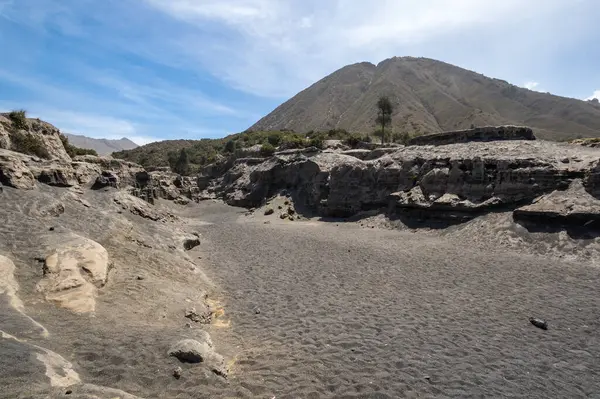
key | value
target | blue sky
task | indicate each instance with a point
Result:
(165, 69)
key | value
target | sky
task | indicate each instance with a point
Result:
(186, 69)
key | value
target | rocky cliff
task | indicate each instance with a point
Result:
(452, 182)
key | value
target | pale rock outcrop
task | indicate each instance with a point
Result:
(142, 208)
(42, 131)
(74, 270)
(199, 350)
(574, 206)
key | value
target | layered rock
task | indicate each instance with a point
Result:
(469, 178)
(487, 133)
(571, 207)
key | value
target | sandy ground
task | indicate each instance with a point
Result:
(312, 310)
(347, 311)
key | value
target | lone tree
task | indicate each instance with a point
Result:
(384, 115)
(182, 165)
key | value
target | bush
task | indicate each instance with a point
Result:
(402, 138)
(317, 142)
(274, 139)
(28, 144)
(352, 141)
(230, 146)
(19, 119)
(267, 150)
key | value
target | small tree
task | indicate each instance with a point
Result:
(182, 165)
(384, 115)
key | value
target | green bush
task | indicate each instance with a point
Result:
(267, 150)
(19, 118)
(316, 142)
(353, 140)
(28, 144)
(275, 138)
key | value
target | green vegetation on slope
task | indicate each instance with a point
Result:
(203, 152)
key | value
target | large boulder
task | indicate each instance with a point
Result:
(73, 271)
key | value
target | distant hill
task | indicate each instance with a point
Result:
(102, 146)
(429, 97)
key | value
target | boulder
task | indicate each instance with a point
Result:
(14, 171)
(199, 351)
(74, 270)
(106, 179)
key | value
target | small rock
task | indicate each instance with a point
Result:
(279, 207)
(539, 323)
(291, 211)
(191, 243)
(177, 373)
(256, 310)
(68, 392)
(267, 222)
(286, 202)
(269, 211)
(51, 228)
(283, 216)
(199, 351)
(139, 278)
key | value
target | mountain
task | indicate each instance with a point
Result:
(102, 146)
(429, 97)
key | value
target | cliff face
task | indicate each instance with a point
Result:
(452, 182)
(32, 136)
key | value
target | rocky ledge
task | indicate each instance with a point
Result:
(454, 181)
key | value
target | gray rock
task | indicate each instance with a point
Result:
(177, 373)
(199, 351)
(488, 133)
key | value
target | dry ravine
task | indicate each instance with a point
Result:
(395, 272)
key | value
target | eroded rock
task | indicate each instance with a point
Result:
(199, 351)
(73, 272)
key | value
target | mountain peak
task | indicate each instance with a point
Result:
(429, 96)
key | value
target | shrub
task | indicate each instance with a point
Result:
(19, 119)
(402, 138)
(28, 144)
(274, 139)
(352, 141)
(317, 142)
(230, 146)
(267, 150)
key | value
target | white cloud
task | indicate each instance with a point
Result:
(596, 95)
(275, 48)
(531, 85)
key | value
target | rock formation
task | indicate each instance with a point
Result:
(455, 181)
(73, 272)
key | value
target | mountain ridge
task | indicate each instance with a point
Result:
(430, 96)
(102, 146)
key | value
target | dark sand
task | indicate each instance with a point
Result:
(353, 312)
(312, 310)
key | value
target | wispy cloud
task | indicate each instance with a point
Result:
(531, 85)
(596, 95)
(184, 68)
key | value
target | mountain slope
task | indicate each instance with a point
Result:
(102, 146)
(429, 97)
